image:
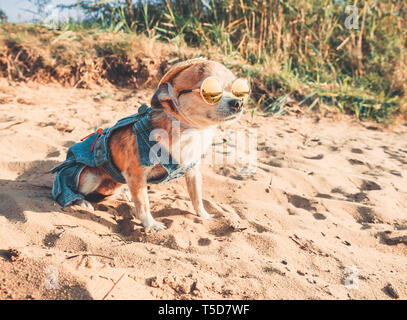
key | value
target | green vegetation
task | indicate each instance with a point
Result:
(293, 50)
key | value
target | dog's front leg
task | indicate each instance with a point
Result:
(138, 189)
(193, 179)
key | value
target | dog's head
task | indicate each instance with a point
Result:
(184, 92)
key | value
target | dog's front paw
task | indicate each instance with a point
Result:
(86, 205)
(154, 225)
(204, 214)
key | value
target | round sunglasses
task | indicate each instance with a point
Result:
(211, 90)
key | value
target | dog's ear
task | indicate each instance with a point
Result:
(181, 66)
(163, 97)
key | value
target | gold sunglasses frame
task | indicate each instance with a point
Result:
(200, 91)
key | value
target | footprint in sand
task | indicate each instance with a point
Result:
(278, 163)
(300, 202)
(51, 239)
(319, 216)
(204, 242)
(367, 215)
(259, 228)
(369, 186)
(240, 174)
(317, 157)
(352, 197)
(395, 155)
(356, 150)
(396, 173)
(65, 241)
(356, 162)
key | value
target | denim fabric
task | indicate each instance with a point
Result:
(65, 187)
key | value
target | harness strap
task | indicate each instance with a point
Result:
(99, 132)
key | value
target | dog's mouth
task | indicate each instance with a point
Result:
(232, 116)
(222, 117)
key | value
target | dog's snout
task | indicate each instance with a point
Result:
(236, 105)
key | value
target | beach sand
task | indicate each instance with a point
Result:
(324, 216)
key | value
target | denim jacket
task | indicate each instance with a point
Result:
(94, 152)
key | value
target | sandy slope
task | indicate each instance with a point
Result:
(327, 195)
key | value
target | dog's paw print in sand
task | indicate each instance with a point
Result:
(267, 150)
(399, 155)
(360, 197)
(356, 150)
(392, 238)
(190, 234)
(260, 228)
(301, 202)
(367, 215)
(178, 287)
(396, 173)
(226, 229)
(184, 230)
(314, 157)
(270, 156)
(239, 173)
(356, 162)
(61, 239)
(368, 185)
(313, 206)
(183, 238)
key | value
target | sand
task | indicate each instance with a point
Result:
(323, 217)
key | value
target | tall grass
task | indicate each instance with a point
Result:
(294, 48)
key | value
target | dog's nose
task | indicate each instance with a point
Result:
(236, 105)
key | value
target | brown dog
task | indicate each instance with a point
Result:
(180, 98)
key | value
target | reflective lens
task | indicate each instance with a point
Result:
(211, 90)
(240, 88)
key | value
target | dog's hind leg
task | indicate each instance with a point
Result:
(89, 181)
(96, 180)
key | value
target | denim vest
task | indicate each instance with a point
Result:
(94, 152)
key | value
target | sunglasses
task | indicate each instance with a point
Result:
(211, 90)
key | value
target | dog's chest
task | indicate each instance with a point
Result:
(185, 151)
(192, 145)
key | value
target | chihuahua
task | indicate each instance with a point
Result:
(193, 97)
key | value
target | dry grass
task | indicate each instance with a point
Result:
(79, 59)
(292, 50)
